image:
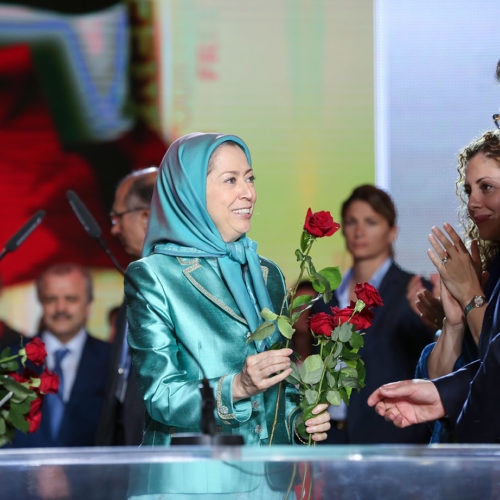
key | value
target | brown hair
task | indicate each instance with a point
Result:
(489, 145)
(379, 200)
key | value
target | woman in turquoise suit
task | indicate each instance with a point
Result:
(204, 277)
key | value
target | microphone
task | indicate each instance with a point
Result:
(23, 233)
(90, 225)
(208, 427)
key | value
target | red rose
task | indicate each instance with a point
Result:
(368, 294)
(320, 224)
(36, 352)
(321, 324)
(24, 376)
(341, 316)
(361, 321)
(34, 416)
(49, 382)
(18, 377)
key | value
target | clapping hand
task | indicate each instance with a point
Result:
(459, 270)
(424, 303)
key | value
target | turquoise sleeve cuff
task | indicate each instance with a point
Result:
(229, 412)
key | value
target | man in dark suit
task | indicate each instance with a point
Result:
(70, 417)
(467, 400)
(122, 418)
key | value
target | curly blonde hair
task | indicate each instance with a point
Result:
(489, 145)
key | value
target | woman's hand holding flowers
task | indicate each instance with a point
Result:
(260, 372)
(319, 425)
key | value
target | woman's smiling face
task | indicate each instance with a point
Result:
(482, 185)
(231, 192)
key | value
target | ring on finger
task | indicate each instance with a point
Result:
(444, 260)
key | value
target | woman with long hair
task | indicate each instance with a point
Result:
(464, 396)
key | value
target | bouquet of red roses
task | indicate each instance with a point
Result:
(22, 389)
(330, 376)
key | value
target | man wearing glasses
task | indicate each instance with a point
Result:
(122, 418)
(130, 214)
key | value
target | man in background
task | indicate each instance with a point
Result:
(70, 417)
(8, 336)
(122, 419)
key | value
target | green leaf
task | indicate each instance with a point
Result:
(344, 332)
(344, 394)
(356, 340)
(335, 335)
(277, 345)
(5, 353)
(347, 354)
(338, 349)
(319, 283)
(10, 366)
(21, 392)
(304, 404)
(299, 255)
(301, 300)
(311, 396)
(312, 269)
(348, 371)
(332, 363)
(360, 368)
(334, 398)
(16, 416)
(268, 315)
(285, 327)
(305, 238)
(296, 316)
(331, 379)
(301, 431)
(262, 331)
(327, 296)
(3, 426)
(294, 375)
(333, 276)
(350, 382)
(311, 369)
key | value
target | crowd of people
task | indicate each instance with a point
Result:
(98, 402)
(193, 295)
(200, 277)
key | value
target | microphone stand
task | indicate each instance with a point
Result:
(208, 434)
(23, 233)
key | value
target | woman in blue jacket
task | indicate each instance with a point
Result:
(204, 277)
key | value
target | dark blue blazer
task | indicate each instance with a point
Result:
(471, 395)
(392, 348)
(121, 423)
(83, 408)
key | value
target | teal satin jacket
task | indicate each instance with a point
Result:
(193, 301)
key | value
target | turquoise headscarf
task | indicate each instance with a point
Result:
(179, 223)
